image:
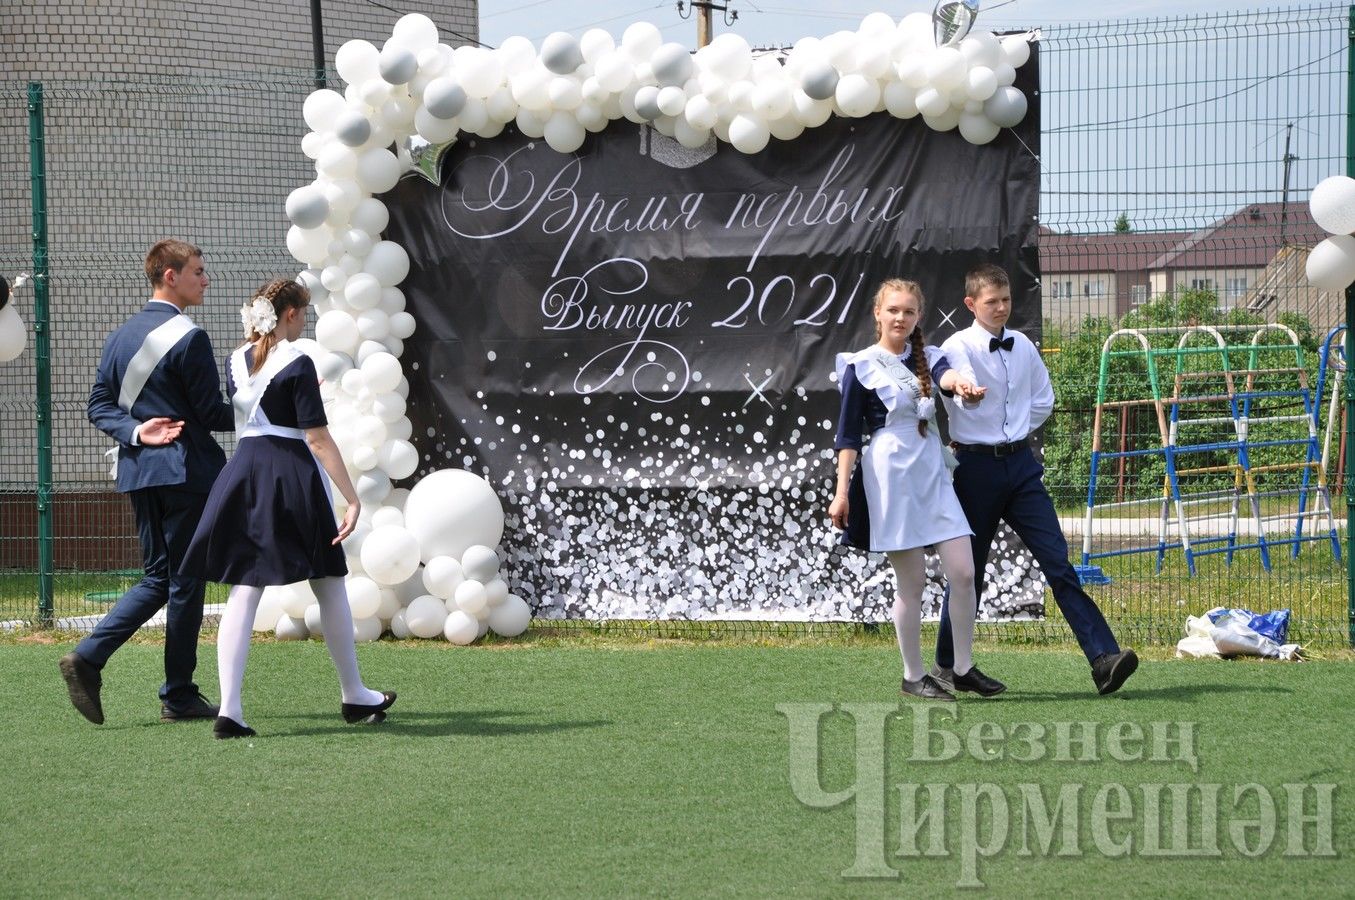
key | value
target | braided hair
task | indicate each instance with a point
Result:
(284, 294)
(920, 369)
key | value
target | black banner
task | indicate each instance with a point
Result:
(634, 343)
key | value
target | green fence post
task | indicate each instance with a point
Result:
(1350, 340)
(42, 339)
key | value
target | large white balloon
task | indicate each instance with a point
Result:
(356, 61)
(378, 170)
(451, 510)
(1331, 264)
(748, 134)
(292, 628)
(460, 628)
(371, 216)
(672, 64)
(307, 206)
(336, 330)
(1006, 108)
(322, 108)
(398, 458)
(479, 563)
(1333, 204)
(977, 128)
(13, 334)
(563, 133)
(442, 576)
(382, 373)
(364, 597)
(857, 95)
(269, 610)
(389, 262)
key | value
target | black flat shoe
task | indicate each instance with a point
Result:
(976, 682)
(926, 688)
(1110, 670)
(83, 682)
(375, 714)
(226, 728)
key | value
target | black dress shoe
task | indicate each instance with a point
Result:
(197, 708)
(1110, 670)
(926, 688)
(373, 714)
(83, 682)
(975, 682)
(226, 728)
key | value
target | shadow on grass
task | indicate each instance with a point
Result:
(1172, 692)
(471, 723)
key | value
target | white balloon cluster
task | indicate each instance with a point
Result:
(1331, 264)
(13, 331)
(421, 565)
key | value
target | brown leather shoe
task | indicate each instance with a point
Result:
(83, 682)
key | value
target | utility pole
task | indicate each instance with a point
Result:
(702, 9)
(1288, 160)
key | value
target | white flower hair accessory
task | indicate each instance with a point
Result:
(258, 316)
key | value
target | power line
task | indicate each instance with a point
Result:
(623, 15)
(504, 12)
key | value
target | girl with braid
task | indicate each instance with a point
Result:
(899, 500)
(269, 519)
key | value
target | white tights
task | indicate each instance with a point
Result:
(237, 623)
(957, 562)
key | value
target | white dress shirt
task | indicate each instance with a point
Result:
(1020, 396)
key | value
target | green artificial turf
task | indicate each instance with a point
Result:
(570, 768)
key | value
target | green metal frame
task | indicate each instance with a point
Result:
(42, 339)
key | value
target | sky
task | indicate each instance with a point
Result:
(783, 22)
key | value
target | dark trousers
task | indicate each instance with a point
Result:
(1011, 489)
(165, 519)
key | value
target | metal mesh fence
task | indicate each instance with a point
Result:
(1177, 158)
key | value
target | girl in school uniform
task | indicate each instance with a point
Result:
(269, 518)
(899, 500)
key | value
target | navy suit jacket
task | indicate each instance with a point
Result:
(184, 385)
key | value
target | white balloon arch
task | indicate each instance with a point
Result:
(418, 95)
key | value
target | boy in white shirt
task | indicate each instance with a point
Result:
(999, 478)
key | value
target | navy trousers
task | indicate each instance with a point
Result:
(165, 519)
(1011, 489)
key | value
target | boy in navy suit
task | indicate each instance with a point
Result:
(999, 477)
(158, 394)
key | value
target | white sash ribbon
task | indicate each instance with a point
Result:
(156, 346)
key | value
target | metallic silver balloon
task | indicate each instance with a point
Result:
(427, 157)
(819, 80)
(952, 20)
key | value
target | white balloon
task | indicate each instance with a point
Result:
(900, 100)
(399, 628)
(390, 554)
(363, 596)
(874, 58)
(382, 372)
(460, 628)
(981, 82)
(1331, 264)
(877, 23)
(560, 53)
(1006, 108)
(372, 488)
(424, 617)
(450, 510)
(595, 44)
(356, 61)
(336, 330)
(700, 113)
(946, 68)
(402, 325)
(366, 630)
(501, 107)
(308, 245)
(496, 590)
(389, 262)
(565, 93)
(1333, 204)
(269, 610)
(982, 48)
(671, 101)
(362, 291)
(388, 515)
(470, 597)
(337, 162)
(946, 121)
(563, 133)
(857, 95)
(786, 128)
(415, 31)
(647, 102)
(614, 71)
(1016, 50)
(810, 112)
(442, 576)
(322, 108)
(977, 128)
(641, 39)
(398, 458)
(333, 365)
(771, 99)
(364, 458)
(480, 71)
(378, 170)
(312, 144)
(748, 134)
(511, 617)
(591, 117)
(931, 102)
(291, 628)
(688, 135)
(371, 216)
(313, 622)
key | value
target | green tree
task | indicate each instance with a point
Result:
(1122, 225)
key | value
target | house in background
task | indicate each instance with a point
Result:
(1251, 259)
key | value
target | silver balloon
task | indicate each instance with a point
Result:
(672, 64)
(952, 20)
(819, 81)
(427, 157)
(560, 53)
(444, 98)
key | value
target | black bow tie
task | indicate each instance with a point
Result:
(1005, 344)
